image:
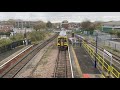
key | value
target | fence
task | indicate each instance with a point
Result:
(10, 46)
(102, 64)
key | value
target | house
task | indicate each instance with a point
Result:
(6, 28)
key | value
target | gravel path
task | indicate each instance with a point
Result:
(41, 65)
(45, 68)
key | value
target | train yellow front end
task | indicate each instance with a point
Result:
(62, 42)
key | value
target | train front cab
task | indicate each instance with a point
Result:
(62, 43)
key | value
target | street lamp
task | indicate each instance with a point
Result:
(96, 49)
(25, 36)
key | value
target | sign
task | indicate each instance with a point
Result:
(108, 53)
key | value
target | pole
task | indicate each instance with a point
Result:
(25, 36)
(110, 66)
(96, 50)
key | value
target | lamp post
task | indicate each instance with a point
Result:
(25, 36)
(96, 49)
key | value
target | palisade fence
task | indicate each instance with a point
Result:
(11, 46)
(111, 44)
(104, 40)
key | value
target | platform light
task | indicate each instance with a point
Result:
(96, 49)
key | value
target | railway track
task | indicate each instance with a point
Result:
(63, 66)
(115, 61)
(12, 71)
(116, 57)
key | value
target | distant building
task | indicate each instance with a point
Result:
(74, 25)
(65, 24)
(111, 25)
(6, 28)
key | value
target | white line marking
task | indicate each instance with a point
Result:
(14, 57)
(70, 63)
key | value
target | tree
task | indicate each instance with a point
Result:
(118, 34)
(98, 25)
(112, 33)
(36, 36)
(11, 22)
(17, 37)
(88, 26)
(39, 25)
(49, 24)
(85, 25)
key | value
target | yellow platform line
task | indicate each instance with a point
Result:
(77, 64)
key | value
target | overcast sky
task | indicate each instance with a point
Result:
(60, 16)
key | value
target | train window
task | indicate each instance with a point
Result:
(65, 40)
(58, 40)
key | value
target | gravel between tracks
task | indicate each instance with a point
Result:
(41, 67)
(45, 68)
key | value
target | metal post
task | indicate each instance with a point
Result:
(110, 65)
(25, 36)
(96, 50)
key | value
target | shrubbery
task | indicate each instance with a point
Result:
(37, 36)
(17, 37)
(4, 42)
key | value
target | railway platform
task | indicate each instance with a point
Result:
(14, 54)
(86, 64)
(83, 63)
(9, 62)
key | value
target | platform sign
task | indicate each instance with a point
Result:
(109, 55)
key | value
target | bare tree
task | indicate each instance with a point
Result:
(88, 26)
(49, 24)
(39, 25)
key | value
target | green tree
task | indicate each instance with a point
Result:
(40, 25)
(98, 25)
(118, 34)
(88, 26)
(49, 24)
(85, 25)
(17, 37)
(11, 22)
(36, 36)
(4, 42)
(112, 33)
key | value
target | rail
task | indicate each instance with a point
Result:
(26, 58)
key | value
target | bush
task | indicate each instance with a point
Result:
(37, 36)
(17, 37)
(4, 42)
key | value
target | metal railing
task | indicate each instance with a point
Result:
(102, 64)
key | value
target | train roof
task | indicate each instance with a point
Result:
(63, 33)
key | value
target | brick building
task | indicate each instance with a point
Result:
(65, 24)
(6, 28)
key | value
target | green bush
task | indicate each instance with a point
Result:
(4, 42)
(17, 37)
(36, 36)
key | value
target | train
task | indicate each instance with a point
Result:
(62, 40)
